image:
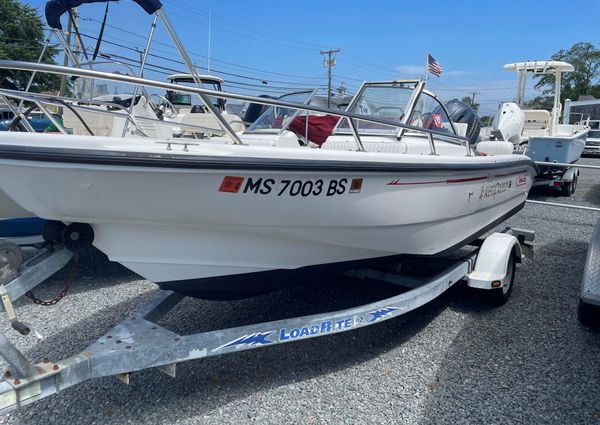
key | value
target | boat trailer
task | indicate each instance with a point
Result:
(558, 176)
(139, 343)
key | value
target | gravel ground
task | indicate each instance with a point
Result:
(454, 360)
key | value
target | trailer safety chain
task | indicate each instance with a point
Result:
(68, 282)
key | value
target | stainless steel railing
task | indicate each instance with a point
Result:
(431, 134)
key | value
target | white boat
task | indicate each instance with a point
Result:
(227, 218)
(545, 138)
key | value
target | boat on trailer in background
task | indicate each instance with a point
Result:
(538, 133)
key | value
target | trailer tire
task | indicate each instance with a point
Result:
(499, 296)
(568, 188)
(589, 314)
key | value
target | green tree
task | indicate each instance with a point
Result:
(470, 102)
(539, 102)
(22, 38)
(486, 120)
(585, 58)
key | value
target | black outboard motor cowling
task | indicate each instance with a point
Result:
(255, 110)
(461, 112)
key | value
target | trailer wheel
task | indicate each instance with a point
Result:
(499, 296)
(588, 314)
(568, 188)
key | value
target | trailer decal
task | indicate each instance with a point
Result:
(381, 313)
(257, 338)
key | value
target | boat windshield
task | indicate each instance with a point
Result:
(188, 100)
(391, 102)
(384, 101)
(275, 117)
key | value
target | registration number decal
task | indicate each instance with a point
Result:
(290, 187)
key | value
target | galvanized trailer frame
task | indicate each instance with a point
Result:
(139, 343)
(589, 302)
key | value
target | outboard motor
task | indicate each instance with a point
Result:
(255, 110)
(461, 112)
(508, 123)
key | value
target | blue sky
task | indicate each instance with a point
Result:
(279, 42)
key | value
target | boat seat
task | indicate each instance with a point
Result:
(100, 124)
(209, 121)
(495, 148)
(350, 145)
(536, 119)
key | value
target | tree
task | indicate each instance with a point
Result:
(585, 58)
(469, 101)
(22, 38)
(539, 102)
(486, 120)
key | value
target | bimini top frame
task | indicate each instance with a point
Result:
(547, 67)
(205, 94)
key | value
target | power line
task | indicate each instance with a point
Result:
(171, 59)
(195, 54)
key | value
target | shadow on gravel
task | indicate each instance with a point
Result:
(529, 361)
(216, 381)
(592, 195)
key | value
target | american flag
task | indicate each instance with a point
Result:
(434, 66)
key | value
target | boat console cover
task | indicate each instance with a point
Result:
(319, 127)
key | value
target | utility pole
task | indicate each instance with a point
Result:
(328, 63)
(63, 80)
(473, 97)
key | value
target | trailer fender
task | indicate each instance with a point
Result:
(491, 265)
(570, 175)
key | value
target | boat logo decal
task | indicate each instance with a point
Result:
(231, 184)
(257, 185)
(521, 180)
(493, 189)
(257, 338)
(381, 313)
(437, 120)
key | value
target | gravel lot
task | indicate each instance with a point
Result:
(454, 360)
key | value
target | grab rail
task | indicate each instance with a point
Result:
(61, 101)
(63, 70)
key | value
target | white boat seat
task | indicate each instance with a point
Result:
(495, 147)
(100, 124)
(536, 119)
(209, 121)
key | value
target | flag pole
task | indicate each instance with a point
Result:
(426, 63)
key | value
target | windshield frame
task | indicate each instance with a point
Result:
(287, 122)
(418, 90)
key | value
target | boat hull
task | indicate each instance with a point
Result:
(196, 229)
(556, 149)
(10, 209)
